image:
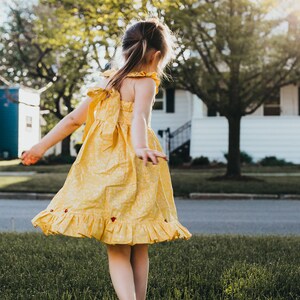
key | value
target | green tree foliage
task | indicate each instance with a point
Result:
(57, 44)
(234, 55)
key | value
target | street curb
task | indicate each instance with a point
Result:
(26, 196)
(240, 196)
(39, 196)
(192, 196)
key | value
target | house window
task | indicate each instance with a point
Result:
(28, 122)
(159, 100)
(272, 107)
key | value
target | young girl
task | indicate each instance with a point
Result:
(112, 193)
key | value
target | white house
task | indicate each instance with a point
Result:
(272, 130)
(19, 120)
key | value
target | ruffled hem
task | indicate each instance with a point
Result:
(108, 231)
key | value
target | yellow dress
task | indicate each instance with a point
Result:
(109, 194)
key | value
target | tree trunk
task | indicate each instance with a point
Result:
(65, 146)
(233, 160)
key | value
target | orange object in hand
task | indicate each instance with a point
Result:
(32, 156)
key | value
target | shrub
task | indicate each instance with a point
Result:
(176, 160)
(200, 161)
(274, 161)
(244, 157)
(56, 159)
(216, 163)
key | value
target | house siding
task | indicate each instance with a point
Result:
(182, 113)
(260, 136)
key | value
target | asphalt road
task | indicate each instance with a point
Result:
(249, 217)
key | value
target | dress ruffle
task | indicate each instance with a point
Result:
(109, 231)
(152, 75)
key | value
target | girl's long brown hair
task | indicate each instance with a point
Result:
(138, 39)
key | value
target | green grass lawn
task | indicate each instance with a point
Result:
(185, 181)
(35, 266)
(14, 166)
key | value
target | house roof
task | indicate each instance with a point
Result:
(19, 86)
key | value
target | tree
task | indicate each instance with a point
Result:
(31, 63)
(61, 43)
(233, 56)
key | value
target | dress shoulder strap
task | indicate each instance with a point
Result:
(152, 75)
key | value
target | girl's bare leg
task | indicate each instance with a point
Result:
(140, 266)
(120, 270)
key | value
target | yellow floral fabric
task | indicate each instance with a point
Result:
(109, 194)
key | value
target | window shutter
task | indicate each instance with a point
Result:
(211, 111)
(170, 100)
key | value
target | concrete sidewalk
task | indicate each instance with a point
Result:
(241, 196)
(273, 174)
(9, 173)
(31, 173)
(192, 196)
(26, 196)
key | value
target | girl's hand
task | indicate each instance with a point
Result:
(33, 155)
(147, 154)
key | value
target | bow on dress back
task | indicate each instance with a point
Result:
(112, 112)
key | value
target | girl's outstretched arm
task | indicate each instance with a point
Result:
(143, 100)
(60, 131)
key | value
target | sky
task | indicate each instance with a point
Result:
(287, 6)
(4, 10)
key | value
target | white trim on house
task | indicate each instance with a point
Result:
(183, 108)
(29, 108)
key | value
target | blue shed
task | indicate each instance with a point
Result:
(19, 120)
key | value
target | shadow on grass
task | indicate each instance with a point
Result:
(42, 183)
(183, 183)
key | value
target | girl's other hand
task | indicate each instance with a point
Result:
(147, 154)
(33, 155)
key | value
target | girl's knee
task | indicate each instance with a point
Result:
(140, 247)
(119, 249)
